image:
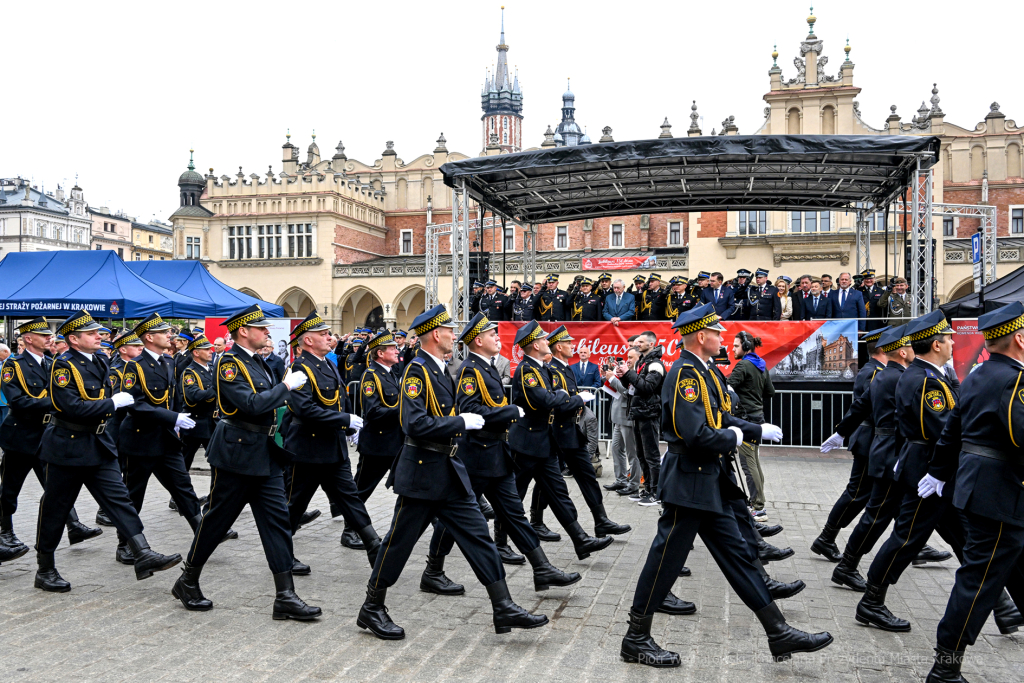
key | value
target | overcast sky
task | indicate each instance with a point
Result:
(118, 92)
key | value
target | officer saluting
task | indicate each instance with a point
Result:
(77, 451)
(523, 304)
(245, 466)
(875, 298)
(551, 303)
(696, 486)
(431, 481)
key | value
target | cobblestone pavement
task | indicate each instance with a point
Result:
(111, 627)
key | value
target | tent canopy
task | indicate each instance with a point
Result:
(58, 283)
(192, 279)
(1003, 291)
(719, 173)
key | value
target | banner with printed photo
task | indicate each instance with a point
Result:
(619, 262)
(968, 346)
(280, 330)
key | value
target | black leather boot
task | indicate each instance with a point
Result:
(543, 533)
(300, 569)
(147, 561)
(825, 544)
(769, 553)
(783, 639)
(350, 539)
(545, 574)
(102, 519)
(172, 505)
(673, 605)
(78, 532)
(846, 574)
(872, 610)
(946, 668)
(779, 590)
(604, 526)
(288, 605)
(7, 553)
(585, 545)
(47, 578)
(767, 531)
(685, 571)
(434, 580)
(7, 537)
(507, 614)
(307, 517)
(186, 589)
(639, 646)
(1008, 618)
(930, 554)
(123, 554)
(373, 615)
(505, 552)
(369, 539)
(485, 508)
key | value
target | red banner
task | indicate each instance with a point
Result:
(619, 263)
(816, 350)
(968, 346)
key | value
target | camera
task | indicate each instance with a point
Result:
(722, 359)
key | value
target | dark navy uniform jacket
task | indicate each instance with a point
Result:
(25, 384)
(765, 304)
(381, 435)
(198, 391)
(246, 395)
(566, 428)
(695, 424)
(317, 421)
(550, 305)
(115, 375)
(989, 417)
(858, 423)
(923, 402)
(486, 452)
(430, 467)
(586, 307)
(79, 395)
(147, 430)
(886, 444)
(522, 309)
(650, 305)
(533, 390)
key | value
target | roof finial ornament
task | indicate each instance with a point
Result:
(936, 109)
(288, 135)
(810, 21)
(666, 129)
(775, 55)
(847, 49)
(314, 133)
(694, 116)
(191, 165)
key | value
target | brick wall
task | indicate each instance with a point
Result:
(970, 193)
(360, 240)
(712, 224)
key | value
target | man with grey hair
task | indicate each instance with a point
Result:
(623, 444)
(619, 305)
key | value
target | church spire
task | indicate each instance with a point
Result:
(501, 80)
(502, 101)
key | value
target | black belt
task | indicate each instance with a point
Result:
(885, 431)
(259, 429)
(985, 451)
(447, 449)
(500, 436)
(75, 427)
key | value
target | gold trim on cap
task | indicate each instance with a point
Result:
(1004, 329)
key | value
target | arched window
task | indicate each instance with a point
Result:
(403, 195)
(828, 121)
(977, 162)
(1013, 160)
(793, 121)
(428, 190)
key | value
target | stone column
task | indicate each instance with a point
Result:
(645, 231)
(588, 235)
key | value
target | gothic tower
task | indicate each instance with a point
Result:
(502, 102)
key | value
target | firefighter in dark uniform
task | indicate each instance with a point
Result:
(474, 298)
(199, 398)
(765, 303)
(431, 481)
(604, 286)
(652, 302)
(741, 288)
(315, 430)
(638, 288)
(697, 483)
(551, 304)
(77, 450)
(496, 302)
(489, 458)
(245, 466)
(586, 306)
(524, 303)
(876, 296)
(355, 361)
(25, 383)
(980, 450)
(182, 359)
(680, 298)
(486, 297)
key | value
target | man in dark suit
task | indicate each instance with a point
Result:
(848, 302)
(818, 305)
(587, 374)
(718, 295)
(275, 362)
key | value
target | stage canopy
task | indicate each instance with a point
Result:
(1005, 290)
(720, 173)
(192, 279)
(55, 284)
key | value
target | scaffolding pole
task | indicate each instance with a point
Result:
(863, 242)
(530, 253)
(921, 253)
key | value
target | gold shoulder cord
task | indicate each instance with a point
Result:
(432, 405)
(543, 307)
(24, 384)
(716, 423)
(949, 401)
(241, 367)
(323, 399)
(522, 383)
(380, 390)
(724, 401)
(576, 310)
(157, 401)
(486, 395)
(199, 381)
(79, 384)
(671, 312)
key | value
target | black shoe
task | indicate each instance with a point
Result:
(186, 589)
(369, 539)
(567, 473)
(172, 505)
(509, 556)
(307, 517)
(872, 610)
(507, 614)
(102, 519)
(204, 501)
(373, 615)
(433, 579)
(288, 605)
(605, 527)
(673, 605)
(615, 486)
(300, 569)
(350, 539)
(231, 535)
(585, 545)
(123, 554)
(546, 575)
(78, 532)
(783, 639)
(639, 646)
(9, 540)
(147, 562)
(685, 571)
(780, 591)
(628, 490)
(7, 553)
(825, 544)
(846, 574)
(544, 533)
(767, 531)
(47, 578)
(946, 668)
(1008, 618)
(769, 553)
(930, 554)
(485, 508)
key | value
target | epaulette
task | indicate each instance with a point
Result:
(418, 359)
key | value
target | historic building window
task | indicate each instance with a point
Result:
(407, 241)
(947, 227)
(99, 247)
(616, 235)
(1016, 220)
(510, 239)
(753, 223)
(300, 240)
(120, 253)
(192, 247)
(810, 221)
(240, 242)
(675, 233)
(562, 237)
(138, 256)
(268, 240)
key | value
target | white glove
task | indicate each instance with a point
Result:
(122, 399)
(586, 396)
(929, 485)
(294, 380)
(522, 413)
(770, 432)
(184, 421)
(739, 435)
(355, 422)
(473, 421)
(834, 441)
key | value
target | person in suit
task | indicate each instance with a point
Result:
(275, 362)
(587, 374)
(619, 306)
(504, 368)
(818, 306)
(719, 295)
(848, 302)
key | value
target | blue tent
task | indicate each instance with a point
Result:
(192, 279)
(58, 283)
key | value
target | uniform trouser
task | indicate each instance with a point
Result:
(61, 489)
(677, 527)
(751, 464)
(577, 460)
(648, 434)
(14, 468)
(503, 496)
(229, 493)
(882, 506)
(460, 514)
(335, 479)
(852, 500)
(623, 448)
(369, 472)
(190, 446)
(992, 558)
(169, 469)
(549, 480)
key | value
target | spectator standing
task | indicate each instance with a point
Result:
(272, 360)
(719, 295)
(826, 284)
(897, 305)
(847, 301)
(786, 301)
(818, 306)
(504, 369)
(799, 294)
(587, 374)
(753, 385)
(625, 464)
(644, 381)
(5, 353)
(620, 305)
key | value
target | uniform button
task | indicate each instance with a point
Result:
(314, 435)
(421, 462)
(699, 469)
(239, 441)
(72, 436)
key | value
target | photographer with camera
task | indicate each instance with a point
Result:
(753, 385)
(623, 444)
(644, 384)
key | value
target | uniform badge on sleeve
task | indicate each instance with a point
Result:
(689, 390)
(8, 374)
(62, 377)
(190, 379)
(1020, 395)
(531, 380)
(228, 371)
(368, 388)
(469, 386)
(935, 400)
(413, 387)
(129, 380)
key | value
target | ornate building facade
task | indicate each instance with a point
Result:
(33, 220)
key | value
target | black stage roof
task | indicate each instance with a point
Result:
(720, 173)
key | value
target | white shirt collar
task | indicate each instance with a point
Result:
(382, 366)
(156, 356)
(485, 359)
(239, 346)
(559, 361)
(438, 361)
(937, 368)
(39, 359)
